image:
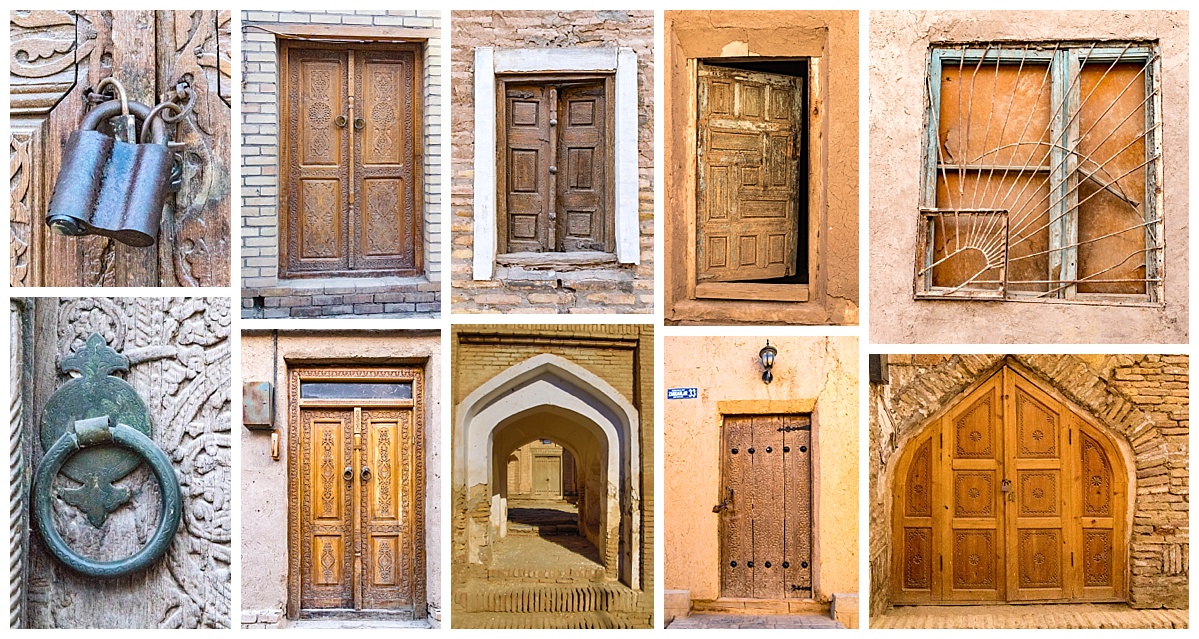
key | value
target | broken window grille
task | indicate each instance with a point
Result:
(1042, 173)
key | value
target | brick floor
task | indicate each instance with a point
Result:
(779, 622)
(1029, 616)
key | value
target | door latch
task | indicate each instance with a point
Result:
(728, 501)
(95, 429)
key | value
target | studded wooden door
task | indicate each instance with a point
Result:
(56, 58)
(766, 507)
(1010, 496)
(747, 197)
(356, 491)
(557, 156)
(351, 160)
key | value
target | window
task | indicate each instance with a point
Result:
(751, 201)
(556, 159)
(1042, 173)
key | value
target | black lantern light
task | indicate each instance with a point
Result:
(767, 356)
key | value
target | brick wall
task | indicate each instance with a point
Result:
(261, 190)
(1142, 399)
(625, 288)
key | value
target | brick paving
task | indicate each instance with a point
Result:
(1029, 616)
(775, 622)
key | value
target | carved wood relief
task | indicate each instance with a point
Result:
(55, 57)
(766, 524)
(178, 351)
(356, 496)
(985, 508)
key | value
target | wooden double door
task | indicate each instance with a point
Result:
(547, 476)
(1010, 496)
(748, 198)
(357, 476)
(351, 159)
(766, 507)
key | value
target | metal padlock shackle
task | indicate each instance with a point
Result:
(120, 89)
(105, 110)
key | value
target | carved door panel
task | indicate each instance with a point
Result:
(1011, 496)
(357, 514)
(748, 156)
(178, 358)
(557, 152)
(766, 522)
(972, 472)
(352, 160)
(56, 57)
(547, 477)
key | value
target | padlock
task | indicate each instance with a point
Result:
(110, 187)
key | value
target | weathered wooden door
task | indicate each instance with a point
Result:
(556, 180)
(179, 364)
(747, 198)
(356, 490)
(351, 159)
(56, 57)
(547, 477)
(766, 512)
(1011, 496)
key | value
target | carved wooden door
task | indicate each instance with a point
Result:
(1011, 496)
(766, 507)
(547, 477)
(556, 166)
(178, 356)
(747, 199)
(355, 489)
(56, 57)
(351, 159)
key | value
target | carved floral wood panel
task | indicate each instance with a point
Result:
(178, 351)
(55, 57)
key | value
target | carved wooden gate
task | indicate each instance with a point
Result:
(179, 364)
(356, 471)
(1010, 496)
(351, 159)
(56, 56)
(748, 196)
(766, 512)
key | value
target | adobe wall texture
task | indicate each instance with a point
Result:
(260, 188)
(1140, 399)
(899, 44)
(830, 36)
(622, 288)
(820, 371)
(264, 489)
(628, 368)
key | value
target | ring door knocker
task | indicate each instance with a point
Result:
(95, 430)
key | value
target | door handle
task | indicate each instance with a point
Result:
(348, 474)
(101, 450)
(359, 123)
(341, 121)
(366, 473)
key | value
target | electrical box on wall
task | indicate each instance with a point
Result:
(257, 405)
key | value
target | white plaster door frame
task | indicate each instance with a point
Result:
(489, 62)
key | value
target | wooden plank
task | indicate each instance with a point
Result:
(736, 531)
(770, 507)
(753, 291)
(797, 507)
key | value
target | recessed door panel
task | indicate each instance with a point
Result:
(326, 509)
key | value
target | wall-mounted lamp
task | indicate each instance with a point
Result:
(767, 356)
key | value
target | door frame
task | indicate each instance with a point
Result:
(341, 42)
(417, 479)
(813, 469)
(1119, 453)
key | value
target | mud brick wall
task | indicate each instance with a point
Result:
(1142, 399)
(622, 288)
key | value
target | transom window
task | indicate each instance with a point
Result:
(1042, 173)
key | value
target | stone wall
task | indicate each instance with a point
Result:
(614, 288)
(1140, 399)
(267, 356)
(899, 45)
(811, 375)
(264, 294)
